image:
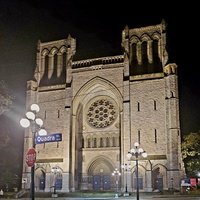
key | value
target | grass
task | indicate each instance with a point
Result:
(74, 194)
(8, 194)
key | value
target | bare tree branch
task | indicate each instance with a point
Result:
(6, 99)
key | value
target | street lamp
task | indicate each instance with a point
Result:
(126, 167)
(136, 152)
(116, 173)
(35, 125)
(55, 171)
(172, 182)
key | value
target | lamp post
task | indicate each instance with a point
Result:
(136, 152)
(55, 170)
(126, 167)
(116, 173)
(172, 182)
(35, 125)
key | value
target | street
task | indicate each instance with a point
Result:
(147, 198)
(172, 197)
(175, 197)
(161, 197)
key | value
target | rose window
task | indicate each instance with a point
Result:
(101, 113)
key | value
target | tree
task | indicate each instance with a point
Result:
(6, 99)
(10, 168)
(8, 174)
(191, 154)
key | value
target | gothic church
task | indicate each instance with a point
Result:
(102, 106)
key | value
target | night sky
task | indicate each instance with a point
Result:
(97, 27)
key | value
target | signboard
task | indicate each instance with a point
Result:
(185, 182)
(193, 182)
(31, 157)
(189, 182)
(55, 137)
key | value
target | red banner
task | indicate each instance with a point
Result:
(193, 182)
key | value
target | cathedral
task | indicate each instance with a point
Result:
(101, 107)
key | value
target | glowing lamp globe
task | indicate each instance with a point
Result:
(24, 122)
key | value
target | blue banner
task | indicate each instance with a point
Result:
(55, 137)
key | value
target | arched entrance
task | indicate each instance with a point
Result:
(40, 179)
(101, 171)
(141, 177)
(159, 175)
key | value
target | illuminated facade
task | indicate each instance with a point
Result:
(101, 106)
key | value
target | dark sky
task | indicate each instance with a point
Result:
(97, 27)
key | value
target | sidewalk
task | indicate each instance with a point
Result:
(105, 196)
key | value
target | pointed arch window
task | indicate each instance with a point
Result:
(144, 53)
(138, 106)
(134, 54)
(55, 61)
(64, 60)
(101, 142)
(89, 142)
(154, 104)
(155, 49)
(156, 59)
(46, 64)
(95, 142)
(83, 143)
(113, 142)
(107, 142)
(155, 135)
(139, 136)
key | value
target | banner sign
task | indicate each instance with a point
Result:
(55, 137)
(185, 182)
(193, 182)
(189, 182)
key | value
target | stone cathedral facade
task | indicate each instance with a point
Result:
(102, 106)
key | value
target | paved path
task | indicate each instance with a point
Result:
(142, 197)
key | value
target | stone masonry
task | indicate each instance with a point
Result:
(102, 106)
